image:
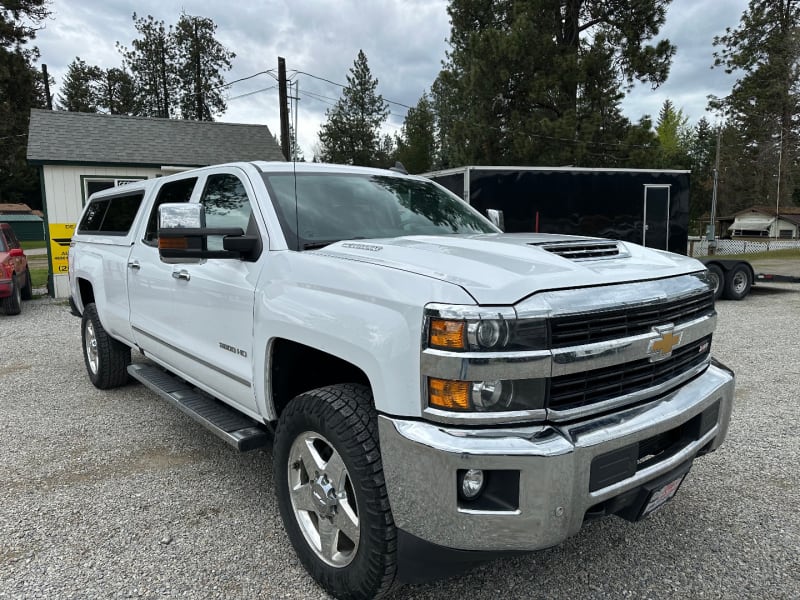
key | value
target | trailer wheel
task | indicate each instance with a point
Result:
(717, 278)
(737, 283)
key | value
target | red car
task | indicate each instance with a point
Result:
(15, 278)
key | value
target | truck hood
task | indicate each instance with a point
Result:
(505, 268)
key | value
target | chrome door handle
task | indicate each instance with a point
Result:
(134, 264)
(182, 274)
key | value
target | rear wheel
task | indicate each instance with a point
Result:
(106, 359)
(737, 283)
(27, 289)
(331, 491)
(13, 304)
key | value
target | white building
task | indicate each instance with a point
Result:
(81, 153)
(763, 222)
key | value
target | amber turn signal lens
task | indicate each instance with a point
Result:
(447, 394)
(172, 243)
(448, 334)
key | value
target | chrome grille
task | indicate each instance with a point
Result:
(588, 328)
(590, 387)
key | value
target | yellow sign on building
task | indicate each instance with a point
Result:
(60, 237)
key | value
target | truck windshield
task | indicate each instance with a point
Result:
(322, 208)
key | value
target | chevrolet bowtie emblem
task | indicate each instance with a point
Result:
(662, 346)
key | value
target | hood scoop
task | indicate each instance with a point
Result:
(584, 250)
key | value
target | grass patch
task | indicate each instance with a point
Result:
(39, 276)
(791, 253)
(28, 245)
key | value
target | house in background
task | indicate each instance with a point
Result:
(28, 225)
(763, 222)
(82, 153)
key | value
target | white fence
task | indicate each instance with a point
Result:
(699, 246)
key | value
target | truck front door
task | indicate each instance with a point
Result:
(215, 297)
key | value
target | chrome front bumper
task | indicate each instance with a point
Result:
(554, 462)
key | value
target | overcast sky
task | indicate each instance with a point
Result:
(404, 40)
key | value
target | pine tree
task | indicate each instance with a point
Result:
(351, 134)
(151, 61)
(537, 81)
(762, 132)
(21, 88)
(416, 146)
(114, 92)
(674, 137)
(78, 90)
(201, 59)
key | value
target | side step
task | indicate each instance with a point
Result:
(225, 422)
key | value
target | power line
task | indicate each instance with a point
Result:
(341, 85)
(266, 89)
(269, 72)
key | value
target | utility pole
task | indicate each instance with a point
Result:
(778, 195)
(46, 79)
(712, 228)
(284, 109)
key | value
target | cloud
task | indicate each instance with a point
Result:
(404, 40)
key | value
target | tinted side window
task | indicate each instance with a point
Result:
(93, 218)
(112, 216)
(174, 191)
(121, 213)
(226, 205)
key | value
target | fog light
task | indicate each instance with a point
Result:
(472, 483)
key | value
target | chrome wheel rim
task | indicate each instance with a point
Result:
(92, 357)
(323, 499)
(739, 282)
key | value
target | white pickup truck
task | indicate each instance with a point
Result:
(435, 392)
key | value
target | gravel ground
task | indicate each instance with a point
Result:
(117, 495)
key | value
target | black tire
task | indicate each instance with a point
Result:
(341, 421)
(105, 358)
(718, 277)
(27, 290)
(738, 282)
(13, 304)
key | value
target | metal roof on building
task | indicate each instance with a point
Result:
(16, 218)
(90, 138)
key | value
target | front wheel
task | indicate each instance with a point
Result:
(106, 359)
(331, 491)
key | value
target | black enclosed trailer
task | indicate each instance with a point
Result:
(648, 207)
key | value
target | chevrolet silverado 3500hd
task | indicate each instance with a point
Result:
(434, 391)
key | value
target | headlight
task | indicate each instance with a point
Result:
(483, 330)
